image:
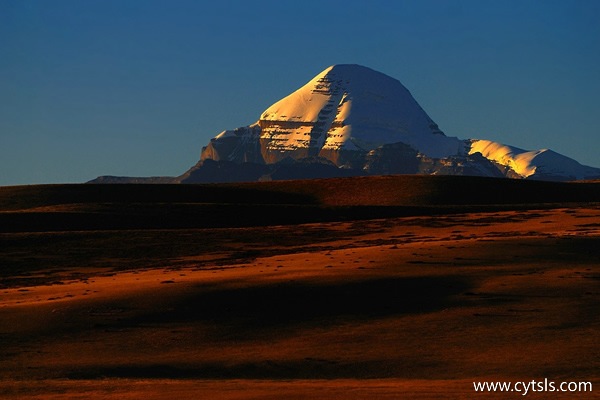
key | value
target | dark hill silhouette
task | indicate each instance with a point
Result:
(124, 206)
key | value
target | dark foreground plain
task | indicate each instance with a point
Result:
(375, 288)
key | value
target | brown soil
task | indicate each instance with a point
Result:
(403, 307)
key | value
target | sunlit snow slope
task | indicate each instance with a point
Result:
(533, 164)
(355, 108)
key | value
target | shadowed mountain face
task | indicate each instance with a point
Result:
(350, 120)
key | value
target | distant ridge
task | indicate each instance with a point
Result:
(126, 179)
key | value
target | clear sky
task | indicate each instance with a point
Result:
(136, 88)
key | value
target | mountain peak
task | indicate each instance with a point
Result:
(362, 120)
(355, 108)
(352, 70)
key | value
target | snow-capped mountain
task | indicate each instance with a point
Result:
(538, 164)
(352, 120)
(343, 111)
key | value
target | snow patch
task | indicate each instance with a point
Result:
(528, 163)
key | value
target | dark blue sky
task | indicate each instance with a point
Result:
(136, 88)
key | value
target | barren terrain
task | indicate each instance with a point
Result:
(401, 296)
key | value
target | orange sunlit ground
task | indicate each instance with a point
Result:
(405, 307)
